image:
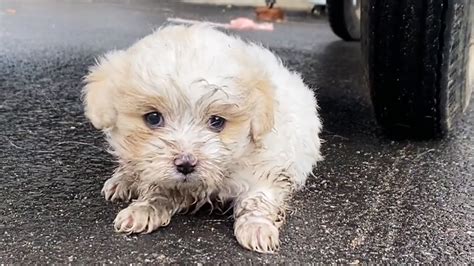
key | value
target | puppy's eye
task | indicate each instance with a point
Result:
(154, 119)
(216, 123)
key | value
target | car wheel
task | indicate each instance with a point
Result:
(344, 18)
(418, 63)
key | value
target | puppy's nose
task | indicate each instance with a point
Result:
(185, 163)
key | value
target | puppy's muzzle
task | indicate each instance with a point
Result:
(185, 163)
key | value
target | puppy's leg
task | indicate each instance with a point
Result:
(149, 212)
(122, 186)
(260, 212)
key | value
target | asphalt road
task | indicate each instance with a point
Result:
(373, 200)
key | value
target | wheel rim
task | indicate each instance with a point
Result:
(352, 17)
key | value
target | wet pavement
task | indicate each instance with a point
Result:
(373, 200)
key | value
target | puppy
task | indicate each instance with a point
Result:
(196, 116)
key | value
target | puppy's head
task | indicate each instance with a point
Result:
(182, 105)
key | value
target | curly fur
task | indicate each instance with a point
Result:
(266, 151)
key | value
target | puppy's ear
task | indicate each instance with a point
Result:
(262, 119)
(99, 91)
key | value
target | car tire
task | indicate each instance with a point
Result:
(344, 18)
(417, 56)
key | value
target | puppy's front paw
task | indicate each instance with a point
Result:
(257, 234)
(141, 217)
(117, 189)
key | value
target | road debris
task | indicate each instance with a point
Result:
(240, 23)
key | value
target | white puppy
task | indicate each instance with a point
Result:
(195, 116)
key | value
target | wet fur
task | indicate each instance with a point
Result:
(265, 153)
